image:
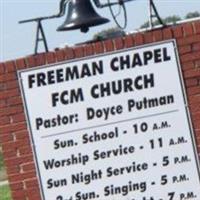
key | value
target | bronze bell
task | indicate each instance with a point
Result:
(81, 15)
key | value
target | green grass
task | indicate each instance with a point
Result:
(1, 161)
(3, 176)
(5, 193)
(4, 190)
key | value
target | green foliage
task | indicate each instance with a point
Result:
(108, 33)
(172, 19)
(5, 193)
(1, 161)
(2, 168)
(192, 15)
(145, 25)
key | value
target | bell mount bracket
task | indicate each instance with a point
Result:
(153, 13)
(40, 34)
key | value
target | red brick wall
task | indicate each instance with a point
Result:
(13, 128)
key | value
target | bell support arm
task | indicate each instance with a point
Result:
(60, 14)
(40, 30)
(110, 5)
(152, 8)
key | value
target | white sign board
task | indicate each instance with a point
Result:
(112, 127)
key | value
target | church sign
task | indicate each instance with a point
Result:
(112, 126)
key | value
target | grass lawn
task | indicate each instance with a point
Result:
(1, 161)
(4, 190)
(3, 176)
(5, 193)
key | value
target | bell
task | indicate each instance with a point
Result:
(81, 15)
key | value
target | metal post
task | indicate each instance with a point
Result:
(40, 30)
(150, 15)
(42, 39)
(156, 14)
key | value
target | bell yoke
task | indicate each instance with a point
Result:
(81, 15)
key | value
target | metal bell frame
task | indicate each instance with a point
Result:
(82, 15)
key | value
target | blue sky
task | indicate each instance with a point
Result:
(17, 40)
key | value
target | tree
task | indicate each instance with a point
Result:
(109, 33)
(192, 15)
(172, 19)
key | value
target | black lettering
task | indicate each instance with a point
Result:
(128, 85)
(51, 77)
(97, 68)
(31, 80)
(94, 92)
(139, 85)
(113, 64)
(148, 81)
(157, 56)
(41, 77)
(39, 122)
(166, 57)
(55, 99)
(125, 62)
(71, 73)
(148, 55)
(59, 75)
(136, 60)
